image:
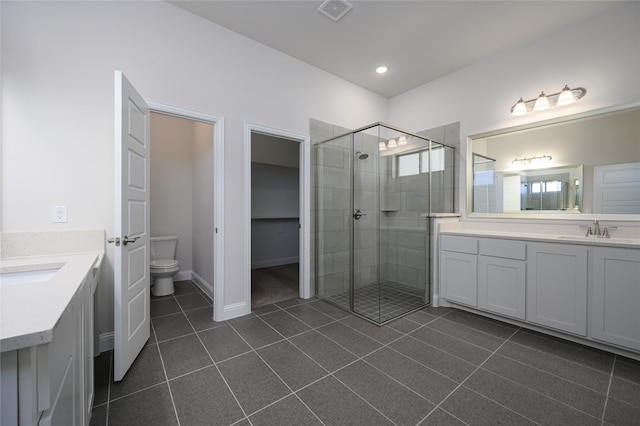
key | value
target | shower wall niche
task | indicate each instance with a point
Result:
(375, 191)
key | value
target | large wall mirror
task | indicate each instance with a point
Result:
(586, 163)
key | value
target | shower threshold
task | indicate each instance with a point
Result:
(381, 303)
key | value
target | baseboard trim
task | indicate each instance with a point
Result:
(268, 263)
(202, 284)
(105, 342)
(182, 276)
(234, 311)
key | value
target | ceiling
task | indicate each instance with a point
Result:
(419, 41)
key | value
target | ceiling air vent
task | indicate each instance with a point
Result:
(335, 9)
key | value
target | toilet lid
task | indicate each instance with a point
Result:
(164, 263)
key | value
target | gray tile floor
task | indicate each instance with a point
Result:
(306, 362)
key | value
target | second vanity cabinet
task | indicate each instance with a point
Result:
(589, 291)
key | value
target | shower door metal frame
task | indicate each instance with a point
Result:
(351, 292)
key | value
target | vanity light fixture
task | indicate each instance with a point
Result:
(382, 146)
(531, 160)
(392, 143)
(402, 140)
(541, 103)
(565, 97)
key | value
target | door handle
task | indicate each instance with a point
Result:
(126, 240)
(357, 214)
(114, 240)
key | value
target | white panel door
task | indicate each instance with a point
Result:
(616, 189)
(131, 226)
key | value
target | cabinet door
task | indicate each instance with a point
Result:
(458, 277)
(501, 286)
(557, 287)
(616, 296)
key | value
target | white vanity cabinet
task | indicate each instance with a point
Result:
(459, 269)
(53, 383)
(557, 286)
(615, 307)
(502, 277)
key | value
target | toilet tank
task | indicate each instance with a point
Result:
(163, 247)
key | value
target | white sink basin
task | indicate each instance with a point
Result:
(22, 277)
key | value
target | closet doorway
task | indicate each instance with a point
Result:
(275, 218)
(277, 196)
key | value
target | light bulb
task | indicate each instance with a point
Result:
(520, 108)
(382, 146)
(392, 143)
(566, 96)
(381, 70)
(402, 140)
(542, 102)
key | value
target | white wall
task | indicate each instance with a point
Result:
(172, 184)
(203, 201)
(58, 60)
(601, 54)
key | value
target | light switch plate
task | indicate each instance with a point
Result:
(59, 214)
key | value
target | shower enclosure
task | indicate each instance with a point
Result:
(375, 191)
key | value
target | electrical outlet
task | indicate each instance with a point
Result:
(59, 214)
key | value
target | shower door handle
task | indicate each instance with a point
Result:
(357, 214)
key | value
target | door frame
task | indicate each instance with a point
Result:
(218, 193)
(304, 250)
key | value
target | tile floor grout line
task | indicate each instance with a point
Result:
(471, 374)
(554, 356)
(217, 369)
(175, 410)
(108, 387)
(564, 379)
(606, 401)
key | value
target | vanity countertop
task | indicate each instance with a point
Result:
(555, 238)
(29, 311)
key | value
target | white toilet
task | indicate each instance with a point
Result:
(163, 264)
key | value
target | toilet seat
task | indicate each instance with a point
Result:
(164, 263)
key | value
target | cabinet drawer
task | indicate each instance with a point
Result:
(507, 249)
(459, 244)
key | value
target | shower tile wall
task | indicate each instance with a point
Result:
(330, 204)
(404, 232)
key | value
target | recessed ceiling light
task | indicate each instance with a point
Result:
(381, 70)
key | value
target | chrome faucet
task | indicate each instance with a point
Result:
(596, 228)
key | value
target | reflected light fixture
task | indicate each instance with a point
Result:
(382, 146)
(402, 140)
(531, 160)
(565, 97)
(392, 143)
(382, 70)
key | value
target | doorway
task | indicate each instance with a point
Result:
(189, 195)
(275, 218)
(277, 215)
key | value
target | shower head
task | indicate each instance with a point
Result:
(362, 156)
